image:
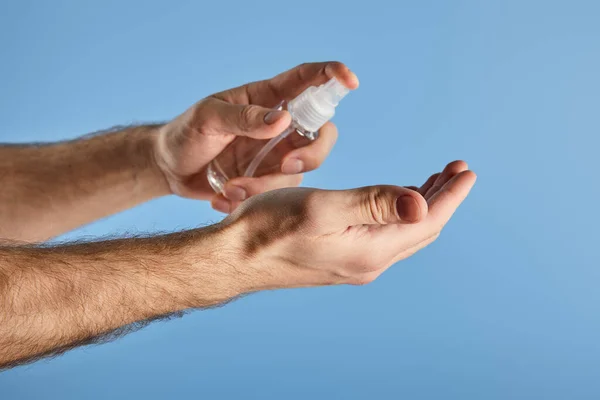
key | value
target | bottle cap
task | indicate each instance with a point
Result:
(316, 105)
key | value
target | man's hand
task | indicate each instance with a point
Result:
(306, 237)
(59, 297)
(186, 146)
(52, 188)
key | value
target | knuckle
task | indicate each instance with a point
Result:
(377, 207)
(273, 87)
(203, 116)
(300, 71)
(303, 66)
(246, 117)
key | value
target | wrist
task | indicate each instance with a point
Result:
(218, 268)
(163, 158)
(247, 253)
(145, 145)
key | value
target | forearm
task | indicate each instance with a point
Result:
(50, 189)
(55, 298)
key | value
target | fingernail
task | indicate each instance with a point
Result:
(408, 208)
(292, 166)
(222, 205)
(273, 116)
(235, 193)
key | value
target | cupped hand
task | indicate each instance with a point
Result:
(186, 145)
(308, 237)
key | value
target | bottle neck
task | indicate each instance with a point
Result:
(310, 135)
(309, 111)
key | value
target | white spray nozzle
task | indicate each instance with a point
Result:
(316, 105)
(333, 91)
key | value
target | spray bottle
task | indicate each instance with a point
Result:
(310, 110)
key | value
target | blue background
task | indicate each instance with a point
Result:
(503, 305)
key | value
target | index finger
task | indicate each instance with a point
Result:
(289, 84)
(445, 202)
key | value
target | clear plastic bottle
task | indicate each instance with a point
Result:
(251, 157)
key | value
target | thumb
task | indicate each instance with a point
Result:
(376, 205)
(247, 120)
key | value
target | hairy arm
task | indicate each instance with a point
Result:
(50, 189)
(55, 298)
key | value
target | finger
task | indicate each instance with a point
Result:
(445, 202)
(220, 203)
(416, 189)
(372, 205)
(239, 189)
(448, 173)
(290, 84)
(441, 207)
(310, 157)
(428, 183)
(219, 118)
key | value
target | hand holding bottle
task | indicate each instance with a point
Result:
(187, 145)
